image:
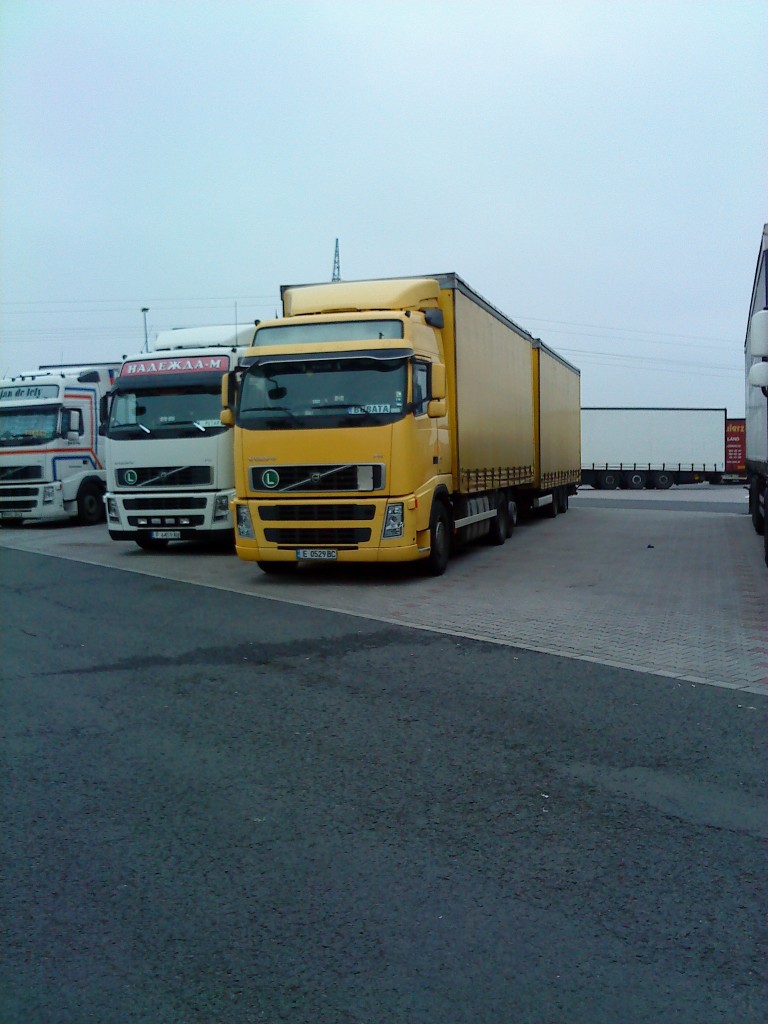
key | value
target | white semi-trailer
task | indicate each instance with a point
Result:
(647, 447)
(756, 371)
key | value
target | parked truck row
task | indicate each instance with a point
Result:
(380, 420)
(756, 397)
(389, 420)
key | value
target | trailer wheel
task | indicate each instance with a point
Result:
(511, 517)
(765, 546)
(436, 561)
(635, 480)
(499, 529)
(609, 480)
(662, 480)
(278, 568)
(90, 504)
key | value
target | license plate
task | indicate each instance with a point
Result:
(10, 515)
(316, 554)
(166, 535)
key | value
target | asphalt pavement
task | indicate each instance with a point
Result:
(228, 807)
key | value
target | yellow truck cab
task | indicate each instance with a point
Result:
(377, 421)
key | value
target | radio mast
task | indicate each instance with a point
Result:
(336, 264)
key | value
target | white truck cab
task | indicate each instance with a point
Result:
(52, 458)
(171, 473)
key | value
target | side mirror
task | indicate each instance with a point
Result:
(437, 408)
(758, 375)
(228, 390)
(758, 333)
(227, 417)
(437, 387)
(434, 318)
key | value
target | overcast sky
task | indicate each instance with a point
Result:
(598, 171)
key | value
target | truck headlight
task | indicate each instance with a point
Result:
(221, 506)
(48, 495)
(393, 521)
(112, 513)
(244, 522)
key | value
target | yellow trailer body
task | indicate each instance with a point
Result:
(489, 363)
(557, 398)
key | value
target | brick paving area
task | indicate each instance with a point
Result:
(671, 592)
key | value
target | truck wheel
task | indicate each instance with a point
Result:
(436, 561)
(635, 480)
(662, 480)
(150, 544)
(499, 530)
(511, 517)
(278, 568)
(758, 520)
(609, 480)
(90, 504)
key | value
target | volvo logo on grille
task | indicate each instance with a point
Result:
(315, 478)
(131, 477)
(270, 478)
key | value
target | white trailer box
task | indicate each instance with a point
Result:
(651, 447)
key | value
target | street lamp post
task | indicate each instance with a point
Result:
(145, 310)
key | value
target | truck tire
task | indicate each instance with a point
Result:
(635, 480)
(278, 568)
(511, 517)
(499, 528)
(436, 561)
(765, 546)
(608, 480)
(758, 519)
(90, 504)
(662, 480)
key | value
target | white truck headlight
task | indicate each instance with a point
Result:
(48, 494)
(244, 522)
(393, 521)
(112, 513)
(221, 506)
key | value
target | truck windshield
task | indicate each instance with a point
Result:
(29, 426)
(165, 412)
(341, 330)
(315, 393)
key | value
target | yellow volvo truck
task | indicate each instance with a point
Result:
(387, 420)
